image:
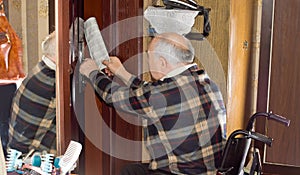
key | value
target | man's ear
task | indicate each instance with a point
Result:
(163, 62)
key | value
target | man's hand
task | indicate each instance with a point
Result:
(87, 66)
(115, 66)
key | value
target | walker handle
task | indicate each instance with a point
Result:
(261, 138)
(268, 115)
(280, 119)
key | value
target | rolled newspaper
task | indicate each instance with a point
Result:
(95, 42)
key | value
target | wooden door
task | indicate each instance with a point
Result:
(279, 84)
(101, 125)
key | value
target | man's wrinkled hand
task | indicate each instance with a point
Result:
(88, 66)
(114, 65)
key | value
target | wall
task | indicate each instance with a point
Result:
(31, 25)
(239, 62)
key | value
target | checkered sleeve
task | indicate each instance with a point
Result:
(132, 99)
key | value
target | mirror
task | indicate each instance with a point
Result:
(24, 25)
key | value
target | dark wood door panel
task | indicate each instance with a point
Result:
(93, 160)
(285, 83)
(111, 17)
(279, 84)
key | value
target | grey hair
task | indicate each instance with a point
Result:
(49, 45)
(173, 51)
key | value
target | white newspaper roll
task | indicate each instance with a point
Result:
(95, 42)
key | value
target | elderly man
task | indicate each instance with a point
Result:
(184, 109)
(33, 117)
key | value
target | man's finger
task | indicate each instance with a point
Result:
(105, 62)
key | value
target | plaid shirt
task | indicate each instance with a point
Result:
(33, 123)
(185, 114)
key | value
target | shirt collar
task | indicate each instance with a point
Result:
(178, 71)
(49, 63)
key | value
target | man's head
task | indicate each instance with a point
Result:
(168, 51)
(49, 46)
